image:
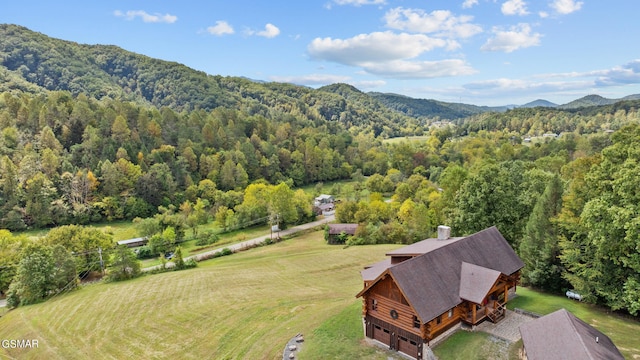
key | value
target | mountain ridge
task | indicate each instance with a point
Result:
(34, 62)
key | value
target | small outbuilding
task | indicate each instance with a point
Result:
(131, 243)
(561, 335)
(337, 233)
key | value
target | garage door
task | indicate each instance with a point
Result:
(407, 346)
(381, 334)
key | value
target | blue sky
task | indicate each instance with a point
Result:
(484, 52)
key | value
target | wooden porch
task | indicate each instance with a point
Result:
(494, 311)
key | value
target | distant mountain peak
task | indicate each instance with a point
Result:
(539, 102)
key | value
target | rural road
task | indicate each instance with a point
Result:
(255, 241)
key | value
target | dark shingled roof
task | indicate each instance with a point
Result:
(476, 281)
(337, 229)
(371, 272)
(561, 335)
(431, 282)
(422, 247)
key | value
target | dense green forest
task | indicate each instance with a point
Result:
(94, 133)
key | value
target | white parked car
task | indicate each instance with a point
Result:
(571, 294)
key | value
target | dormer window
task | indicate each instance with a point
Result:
(416, 322)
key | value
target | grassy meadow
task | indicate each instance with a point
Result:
(247, 306)
(237, 307)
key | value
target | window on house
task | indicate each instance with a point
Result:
(451, 313)
(439, 319)
(416, 322)
(374, 304)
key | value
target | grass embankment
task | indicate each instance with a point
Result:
(623, 332)
(245, 306)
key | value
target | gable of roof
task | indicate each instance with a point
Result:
(431, 281)
(476, 282)
(561, 335)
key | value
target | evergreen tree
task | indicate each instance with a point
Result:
(539, 246)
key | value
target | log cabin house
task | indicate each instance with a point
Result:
(422, 290)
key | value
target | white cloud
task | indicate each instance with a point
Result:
(311, 79)
(270, 31)
(374, 47)
(439, 22)
(517, 37)
(220, 28)
(402, 69)
(146, 17)
(368, 84)
(469, 3)
(566, 6)
(514, 7)
(628, 73)
(389, 54)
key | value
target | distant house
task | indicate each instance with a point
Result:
(422, 290)
(324, 209)
(336, 231)
(324, 205)
(323, 199)
(141, 241)
(561, 335)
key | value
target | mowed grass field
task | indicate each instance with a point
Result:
(244, 306)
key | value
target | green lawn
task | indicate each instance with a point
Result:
(623, 332)
(244, 306)
(249, 305)
(476, 346)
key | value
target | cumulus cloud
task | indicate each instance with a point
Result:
(146, 17)
(270, 31)
(374, 47)
(566, 6)
(514, 7)
(311, 79)
(628, 73)
(469, 3)
(517, 37)
(389, 54)
(220, 28)
(438, 22)
(403, 69)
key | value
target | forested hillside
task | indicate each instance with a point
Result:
(94, 133)
(34, 62)
(431, 108)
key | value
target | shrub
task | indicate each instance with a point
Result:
(190, 263)
(207, 238)
(144, 252)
